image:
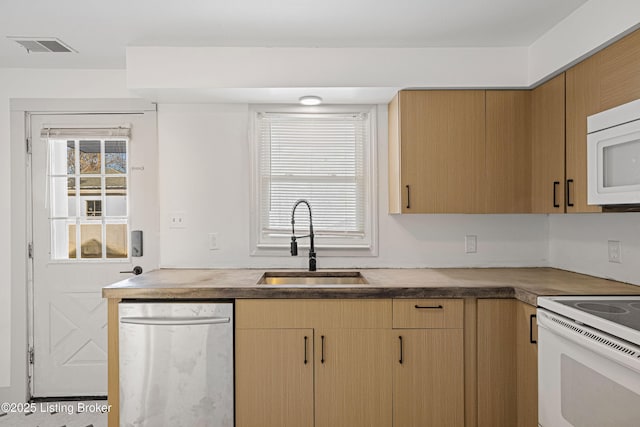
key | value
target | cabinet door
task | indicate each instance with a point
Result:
(428, 378)
(527, 361)
(620, 81)
(508, 181)
(497, 366)
(353, 378)
(442, 151)
(547, 151)
(274, 377)
(583, 100)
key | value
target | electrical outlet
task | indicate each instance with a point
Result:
(470, 244)
(213, 241)
(178, 220)
(615, 251)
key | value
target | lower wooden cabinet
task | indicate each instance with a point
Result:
(274, 377)
(353, 378)
(384, 363)
(428, 378)
(340, 363)
(527, 364)
(507, 364)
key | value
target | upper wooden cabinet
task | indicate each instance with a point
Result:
(583, 100)
(605, 80)
(507, 184)
(547, 149)
(437, 151)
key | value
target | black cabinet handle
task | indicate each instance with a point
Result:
(569, 202)
(401, 358)
(555, 196)
(429, 307)
(408, 197)
(322, 353)
(531, 340)
(305, 350)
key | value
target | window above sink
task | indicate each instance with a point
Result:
(326, 155)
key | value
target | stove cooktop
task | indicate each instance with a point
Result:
(617, 315)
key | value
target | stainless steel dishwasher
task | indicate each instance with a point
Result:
(176, 364)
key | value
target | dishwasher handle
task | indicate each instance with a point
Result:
(175, 321)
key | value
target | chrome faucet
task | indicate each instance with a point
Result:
(294, 243)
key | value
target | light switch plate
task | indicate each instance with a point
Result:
(470, 244)
(213, 241)
(615, 251)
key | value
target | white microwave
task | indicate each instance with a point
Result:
(613, 156)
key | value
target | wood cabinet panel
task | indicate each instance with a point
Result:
(548, 145)
(442, 151)
(353, 379)
(527, 362)
(497, 364)
(428, 313)
(428, 386)
(313, 313)
(583, 100)
(274, 385)
(508, 151)
(620, 72)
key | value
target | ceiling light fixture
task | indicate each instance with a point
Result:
(310, 100)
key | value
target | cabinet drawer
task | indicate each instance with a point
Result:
(428, 313)
(313, 313)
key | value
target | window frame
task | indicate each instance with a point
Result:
(280, 246)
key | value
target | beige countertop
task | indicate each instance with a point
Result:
(525, 284)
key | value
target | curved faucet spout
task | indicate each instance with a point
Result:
(294, 243)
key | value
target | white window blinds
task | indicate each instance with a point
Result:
(319, 157)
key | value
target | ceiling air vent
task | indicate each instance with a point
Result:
(42, 44)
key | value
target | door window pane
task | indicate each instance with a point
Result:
(88, 197)
(117, 241)
(62, 157)
(91, 240)
(116, 196)
(90, 159)
(115, 157)
(63, 200)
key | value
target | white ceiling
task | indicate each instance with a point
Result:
(100, 30)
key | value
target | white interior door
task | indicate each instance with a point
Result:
(93, 182)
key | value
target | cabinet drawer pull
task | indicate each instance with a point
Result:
(322, 353)
(555, 196)
(305, 350)
(401, 358)
(408, 197)
(531, 340)
(569, 202)
(432, 307)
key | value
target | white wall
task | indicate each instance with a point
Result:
(204, 159)
(589, 27)
(579, 243)
(24, 83)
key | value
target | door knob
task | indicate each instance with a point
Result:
(136, 270)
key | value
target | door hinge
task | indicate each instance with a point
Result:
(28, 142)
(31, 356)
(30, 250)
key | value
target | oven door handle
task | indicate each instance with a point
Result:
(592, 339)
